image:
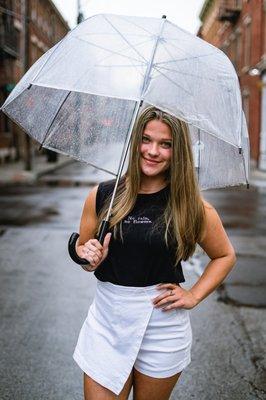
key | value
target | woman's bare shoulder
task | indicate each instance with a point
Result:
(211, 215)
(91, 197)
(207, 205)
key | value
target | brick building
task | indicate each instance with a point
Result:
(238, 27)
(22, 42)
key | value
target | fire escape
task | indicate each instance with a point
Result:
(230, 10)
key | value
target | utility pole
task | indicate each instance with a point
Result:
(80, 16)
(25, 55)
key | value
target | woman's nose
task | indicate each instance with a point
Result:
(153, 150)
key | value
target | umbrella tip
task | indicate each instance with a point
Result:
(164, 16)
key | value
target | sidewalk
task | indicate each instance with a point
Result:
(14, 173)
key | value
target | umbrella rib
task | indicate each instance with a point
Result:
(110, 55)
(138, 26)
(129, 65)
(117, 65)
(184, 59)
(167, 50)
(185, 73)
(108, 50)
(113, 34)
(171, 80)
(51, 123)
(170, 69)
(122, 66)
(124, 38)
(178, 48)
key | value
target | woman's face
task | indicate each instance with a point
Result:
(155, 148)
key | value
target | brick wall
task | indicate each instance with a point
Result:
(244, 42)
(46, 28)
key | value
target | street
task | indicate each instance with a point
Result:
(44, 296)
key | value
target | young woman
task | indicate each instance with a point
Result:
(138, 331)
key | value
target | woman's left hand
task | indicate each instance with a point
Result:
(177, 296)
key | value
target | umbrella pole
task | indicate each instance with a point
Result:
(105, 223)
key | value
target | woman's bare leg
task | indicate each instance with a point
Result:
(145, 387)
(95, 391)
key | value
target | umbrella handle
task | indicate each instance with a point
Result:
(74, 237)
(72, 250)
(104, 228)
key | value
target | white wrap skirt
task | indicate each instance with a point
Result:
(123, 330)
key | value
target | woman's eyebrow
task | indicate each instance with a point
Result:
(162, 140)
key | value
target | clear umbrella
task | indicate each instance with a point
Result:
(82, 97)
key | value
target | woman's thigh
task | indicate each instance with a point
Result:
(95, 391)
(146, 387)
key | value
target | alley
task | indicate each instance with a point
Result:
(44, 297)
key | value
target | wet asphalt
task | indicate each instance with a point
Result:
(44, 297)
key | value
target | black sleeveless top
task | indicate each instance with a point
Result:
(142, 258)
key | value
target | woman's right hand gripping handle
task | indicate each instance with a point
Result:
(94, 252)
(87, 247)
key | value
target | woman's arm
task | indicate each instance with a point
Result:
(221, 252)
(87, 247)
(89, 219)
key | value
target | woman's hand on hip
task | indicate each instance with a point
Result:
(174, 296)
(94, 252)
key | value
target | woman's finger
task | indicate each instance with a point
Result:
(94, 243)
(177, 304)
(93, 251)
(92, 247)
(107, 240)
(94, 258)
(166, 294)
(166, 286)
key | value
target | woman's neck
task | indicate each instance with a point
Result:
(152, 184)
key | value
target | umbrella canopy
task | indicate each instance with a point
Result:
(81, 96)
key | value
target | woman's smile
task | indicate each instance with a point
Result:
(155, 148)
(151, 162)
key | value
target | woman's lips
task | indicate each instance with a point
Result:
(153, 162)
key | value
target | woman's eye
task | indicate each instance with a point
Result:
(145, 139)
(166, 145)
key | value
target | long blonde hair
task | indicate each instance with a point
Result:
(184, 216)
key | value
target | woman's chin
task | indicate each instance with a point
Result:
(150, 172)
